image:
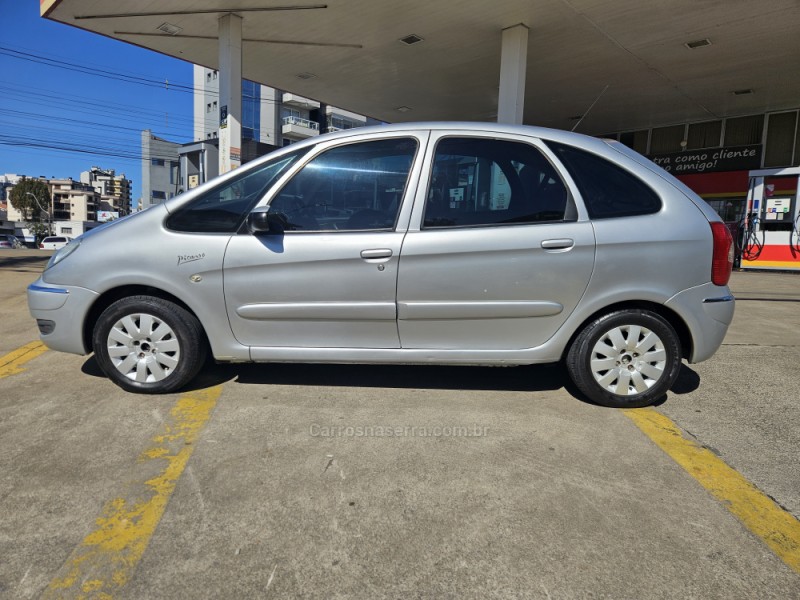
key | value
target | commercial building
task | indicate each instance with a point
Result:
(675, 79)
(715, 157)
(745, 168)
(160, 170)
(198, 162)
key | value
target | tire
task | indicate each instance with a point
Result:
(147, 345)
(625, 359)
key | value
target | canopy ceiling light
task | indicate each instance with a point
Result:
(698, 44)
(169, 28)
(412, 39)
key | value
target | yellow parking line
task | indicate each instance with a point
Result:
(11, 363)
(779, 529)
(103, 563)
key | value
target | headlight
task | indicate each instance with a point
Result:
(63, 253)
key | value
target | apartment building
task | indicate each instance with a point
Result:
(114, 190)
(269, 116)
(260, 109)
(270, 119)
(73, 200)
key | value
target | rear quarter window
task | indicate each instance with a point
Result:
(608, 190)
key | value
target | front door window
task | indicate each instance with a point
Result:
(353, 187)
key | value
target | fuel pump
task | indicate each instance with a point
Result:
(750, 241)
(751, 238)
(794, 238)
(769, 232)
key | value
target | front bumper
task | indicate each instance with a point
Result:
(708, 311)
(60, 311)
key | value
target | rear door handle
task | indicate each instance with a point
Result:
(376, 253)
(558, 244)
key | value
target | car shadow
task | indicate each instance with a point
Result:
(532, 378)
(516, 379)
(688, 381)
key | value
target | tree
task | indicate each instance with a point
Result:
(39, 230)
(22, 200)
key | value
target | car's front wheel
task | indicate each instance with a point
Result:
(148, 345)
(625, 359)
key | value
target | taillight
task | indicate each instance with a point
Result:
(41, 246)
(722, 261)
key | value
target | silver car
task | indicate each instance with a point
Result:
(10, 241)
(444, 243)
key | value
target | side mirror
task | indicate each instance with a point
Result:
(261, 221)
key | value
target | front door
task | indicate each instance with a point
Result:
(330, 280)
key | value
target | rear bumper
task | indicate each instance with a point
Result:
(60, 311)
(708, 311)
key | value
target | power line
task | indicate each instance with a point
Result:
(30, 142)
(70, 142)
(38, 52)
(69, 66)
(107, 108)
(115, 74)
(65, 120)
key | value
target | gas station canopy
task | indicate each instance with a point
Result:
(641, 64)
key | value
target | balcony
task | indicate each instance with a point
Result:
(299, 102)
(296, 128)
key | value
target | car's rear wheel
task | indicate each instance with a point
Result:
(148, 345)
(625, 359)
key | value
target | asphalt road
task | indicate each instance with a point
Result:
(283, 480)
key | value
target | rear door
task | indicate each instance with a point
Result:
(498, 254)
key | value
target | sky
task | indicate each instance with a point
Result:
(71, 100)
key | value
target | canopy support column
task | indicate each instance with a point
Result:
(513, 63)
(230, 92)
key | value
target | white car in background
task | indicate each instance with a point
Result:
(55, 242)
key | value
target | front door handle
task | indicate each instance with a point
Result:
(376, 253)
(558, 244)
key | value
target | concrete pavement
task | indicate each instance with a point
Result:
(493, 483)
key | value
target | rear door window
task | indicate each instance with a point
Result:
(479, 182)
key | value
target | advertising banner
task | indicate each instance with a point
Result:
(103, 216)
(739, 158)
